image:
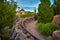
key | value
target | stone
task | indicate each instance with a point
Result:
(28, 35)
(56, 20)
(0, 38)
(50, 38)
(56, 35)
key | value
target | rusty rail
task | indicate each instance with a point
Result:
(23, 26)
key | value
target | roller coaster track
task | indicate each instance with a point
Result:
(19, 31)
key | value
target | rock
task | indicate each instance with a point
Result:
(50, 38)
(28, 35)
(56, 35)
(0, 38)
(28, 39)
(56, 20)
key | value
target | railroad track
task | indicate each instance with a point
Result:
(19, 31)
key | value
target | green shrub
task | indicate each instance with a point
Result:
(27, 15)
(46, 29)
(5, 32)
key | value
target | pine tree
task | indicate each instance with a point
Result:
(56, 7)
(45, 12)
(34, 10)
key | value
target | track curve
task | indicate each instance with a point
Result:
(19, 31)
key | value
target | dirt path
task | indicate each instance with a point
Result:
(31, 27)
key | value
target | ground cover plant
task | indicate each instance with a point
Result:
(46, 29)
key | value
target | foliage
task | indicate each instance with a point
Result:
(13, 4)
(27, 14)
(46, 29)
(7, 16)
(56, 7)
(34, 10)
(1, 0)
(45, 12)
(5, 32)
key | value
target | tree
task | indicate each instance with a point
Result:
(56, 7)
(7, 16)
(5, 0)
(13, 4)
(34, 10)
(1, 0)
(45, 12)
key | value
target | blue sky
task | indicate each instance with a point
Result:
(29, 5)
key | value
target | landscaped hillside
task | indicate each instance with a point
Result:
(27, 14)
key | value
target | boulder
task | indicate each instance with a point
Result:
(56, 20)
(50, 38)
(56, 35)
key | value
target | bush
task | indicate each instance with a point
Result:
(46, 29)
(5, 32)
(27, 15)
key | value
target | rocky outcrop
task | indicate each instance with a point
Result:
(56, 20)
(56, 35)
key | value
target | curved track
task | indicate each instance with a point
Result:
(25, 30)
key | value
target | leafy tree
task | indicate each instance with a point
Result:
(1, 0)
(7, 16)
(56, 7)
(5, 0)
(45, 12)
(34, 10)
(13, 4)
